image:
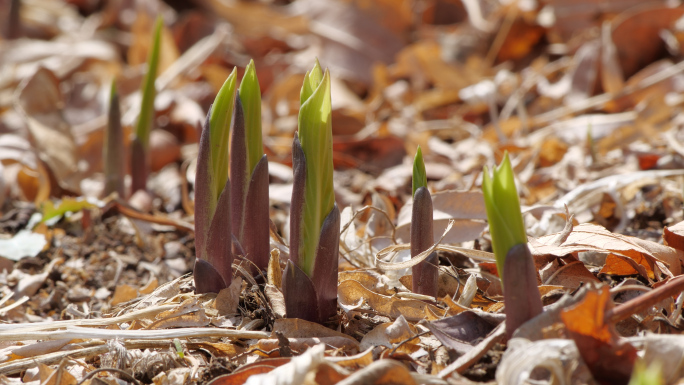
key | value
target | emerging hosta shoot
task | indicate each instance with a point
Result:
(140, 162)
(503, 211)
(249, 173)
(114, 147)
(425, 274)
(310, 278)
(213, 241)
(513, 258)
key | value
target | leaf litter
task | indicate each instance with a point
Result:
(586, 100)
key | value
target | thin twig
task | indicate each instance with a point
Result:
(644, 301)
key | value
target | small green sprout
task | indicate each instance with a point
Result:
(179, 348)
(506, 225)
(651, 375)
(425, 275)
(419, 174)
(509, 241)
(141, 140)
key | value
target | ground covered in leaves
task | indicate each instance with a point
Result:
(586, 97)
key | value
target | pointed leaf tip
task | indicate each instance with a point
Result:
(219, 128)
(419, 173)
(145, 119)
(506, 225)
(250, 95)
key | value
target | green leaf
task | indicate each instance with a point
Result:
(250, 95)
(506, 225)
(219, 126)
(419, 174)
(67, 204)
(653, 375)
(312, 79)
(315, 135)
(144, 126)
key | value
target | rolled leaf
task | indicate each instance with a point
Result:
(424, 276)
(310, 280)
(521, 293)
(141, 143)
(255, 237)
(298, 199)
(249, 194)
(212, 222)
(250, 94)
(315, 136)
(221, 122)
(239, 175)
(419, 175)
(506, 225)
(299, 293)
(114, 147)
(326, 265)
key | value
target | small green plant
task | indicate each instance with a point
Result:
(114, 147)
(513, 258)
(140, 162)
(506, 225)
(213, 240)
(651, 375)
(249, 173)
(425, 274)
(310, 278)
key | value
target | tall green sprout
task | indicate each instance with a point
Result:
(141, 141)
(310, 278)
(514, 261)
(213, 240)
(249, 174)
(315, 135)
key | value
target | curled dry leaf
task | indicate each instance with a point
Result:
(298, 328)
(40, 102)
(626, 255)
(227, 299)
(388, 334)
(383, 372)
(352, 293)
(460, 332)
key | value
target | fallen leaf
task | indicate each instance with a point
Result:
(608, 357)
(23, 244)
(461, 331)
(40, 101)
(228, 299)
(123, 293)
